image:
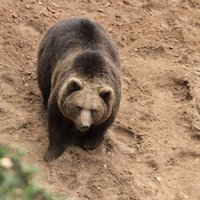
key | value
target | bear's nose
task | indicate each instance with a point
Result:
(85, 127)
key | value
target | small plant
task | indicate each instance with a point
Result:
(16, 179)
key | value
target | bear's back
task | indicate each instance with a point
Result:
(75, 34)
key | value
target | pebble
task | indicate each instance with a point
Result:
(100, 10)
(6, 163)
(14, 15)
(158, 178)
(109, 29)
(27, 6)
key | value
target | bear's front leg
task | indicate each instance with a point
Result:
(92, 139)
(56, 134)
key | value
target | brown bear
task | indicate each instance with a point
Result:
(79, 76)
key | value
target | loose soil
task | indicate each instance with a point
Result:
(152, 151)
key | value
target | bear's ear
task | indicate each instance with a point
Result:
(107, 94)
(73, 85)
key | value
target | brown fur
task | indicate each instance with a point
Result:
(79, 76)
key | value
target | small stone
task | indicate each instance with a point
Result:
(14, 15)
(27, 6)
(55, 5)
(55, 16)
(100, 10)
(6, 163)
(107, 5)
(118, 17)
(33, 2)
(158, 178)
(109, 29)
(126, 2)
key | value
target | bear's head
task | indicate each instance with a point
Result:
(85, 105)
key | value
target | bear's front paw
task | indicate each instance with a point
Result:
(53, 153)
(91, 143)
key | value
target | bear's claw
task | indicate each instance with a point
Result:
(53, 153)
(90, 143)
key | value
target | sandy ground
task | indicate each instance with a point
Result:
(152, 152)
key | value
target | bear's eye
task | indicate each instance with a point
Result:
(78, 108)
(93, 111)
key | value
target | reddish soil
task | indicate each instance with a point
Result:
(152, 152)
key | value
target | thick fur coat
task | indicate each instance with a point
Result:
(79, 76)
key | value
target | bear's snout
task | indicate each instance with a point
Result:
(84, 121)
(85, 127)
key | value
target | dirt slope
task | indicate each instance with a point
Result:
(152, 152)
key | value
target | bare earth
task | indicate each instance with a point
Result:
(152, 152)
